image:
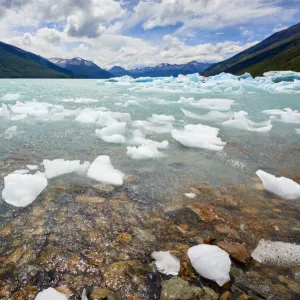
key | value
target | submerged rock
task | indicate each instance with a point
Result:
(90, 199)
(237, 251)
(178, 289)
(103, 294)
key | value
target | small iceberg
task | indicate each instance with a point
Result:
(281, 186)
(144, 152)
(241, 122)
(211, 262)
(113, 133)
(166, 263)
(103, 171)
(22, 189)
(11, 97)
(50, 294)
(57, 167)
(199, 136)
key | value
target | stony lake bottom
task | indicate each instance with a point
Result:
(80, 233)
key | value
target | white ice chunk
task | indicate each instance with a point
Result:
(281, 186)
(50, 294)
(79, 100)
(22, 189)
(211, 262)
(4, 112)
(117, 128)
(32, 167)
(287, 115)
(199, 136)
(57, 167)
(214, 104)
(129, 103)
(190, 195)
(21, 171)
(103, 171)
(240, 121)
(166, 263)
(161, 118)
(113, 139)
(11, 97)
(297, 130)
(277, 253)
(139, 140)
(210, 116)
(144, 152)
(10, 132)
(149, 128)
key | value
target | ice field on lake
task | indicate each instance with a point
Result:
(180, 128)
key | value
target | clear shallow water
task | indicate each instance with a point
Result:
(160, 182)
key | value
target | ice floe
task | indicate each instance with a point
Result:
(287, 115)
(32, 167)
(4, 112)
(211, 262)
(199, 136)
(10, 132)
(11, 97)
(149, 127)
(50, 294)
(214, 104)
(210, 116)
(277, 253)
(281, 186)
(22, 189)
(103, 171)
(113, 133)
(144, 152)
(166, 263)
(161, 119)
(57, 167)
(240, 121)
(139, 139)
(129, 103)
(79, 100)
(297, 130)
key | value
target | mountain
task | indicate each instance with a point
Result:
(280, 51)
(162, 70)
(17, 63)
(81, 67)
(118, 71)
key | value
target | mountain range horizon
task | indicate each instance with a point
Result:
(280, 51)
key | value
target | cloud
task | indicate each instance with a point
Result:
(50, 35)
(279, 28)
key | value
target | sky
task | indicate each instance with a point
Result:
(136, 33)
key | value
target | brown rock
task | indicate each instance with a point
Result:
(228, 231)
(226, 296)
(90, 199)
(129, 179)
(64, 290)
(237, 251)
(206, 212)
(102, 294)
(245, 297)
(124, 238)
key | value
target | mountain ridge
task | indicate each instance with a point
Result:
(280, 51)
(18, 63)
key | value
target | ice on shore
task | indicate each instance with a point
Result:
(281, 186)
(211, 262)
(11, 97)
(57, 167)
(103, 171)
(287, 115)
(139, 139)
(240, 121)
(199, 136)
(277, 253)
(22, 189)
(50, 294)
(144, 152)
(166, 263)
